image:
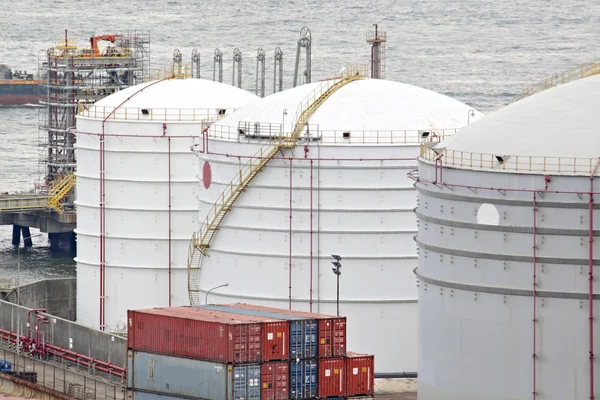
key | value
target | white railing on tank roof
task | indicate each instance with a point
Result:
(502, 162)
(395, 137)
(153, 114)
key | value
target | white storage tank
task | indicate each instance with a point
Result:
(343, 190)
(139, 139)
(508, 252)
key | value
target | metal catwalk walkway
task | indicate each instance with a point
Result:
(55, 198)
(58, 377)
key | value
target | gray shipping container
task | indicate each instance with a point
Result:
(174, 376)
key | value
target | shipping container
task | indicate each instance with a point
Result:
(360, 377)
(198, 333)
(331, 330)
(139, 395)
(274, 381)
(332, 337)
(303, 339)
(332, 377)
(184, 377)
(303, 379)
(275, 331)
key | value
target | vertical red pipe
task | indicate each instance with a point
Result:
(170, 261)
(102, 204)
(290, 266)
(591, 277)
(534, 295)
(102, 229)
(311, 236)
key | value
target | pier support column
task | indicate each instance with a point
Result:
(63, 242)
(26, 236)
(16, 236)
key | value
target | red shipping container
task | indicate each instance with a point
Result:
(332, 377)
(360, 374)
(332, 337)
(197, 333)
(275, 332)
(331, 329)
(275, 340)
(274, 378)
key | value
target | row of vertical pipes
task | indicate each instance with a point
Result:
(439, 166)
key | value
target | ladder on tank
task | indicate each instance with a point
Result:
(201, 240)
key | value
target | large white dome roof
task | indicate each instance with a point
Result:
(558, 122)
(367, 104)
(179, 93)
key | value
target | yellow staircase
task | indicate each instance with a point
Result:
(582, 71)
(201, 241)
(59, 190)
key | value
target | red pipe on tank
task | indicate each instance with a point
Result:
(102, 204)
(290, 266)
(534, 294)
(591, 277)
(311, 236)
(170, 260)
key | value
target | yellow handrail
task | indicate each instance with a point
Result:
(582, 71)
(59, 191)
(174, 70)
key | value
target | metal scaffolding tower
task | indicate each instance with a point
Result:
(305, 42)
(218, 65)
(260, 72)
(377, 40)
(278, 67)
(237, 67)
(195, 64)
(72, 76)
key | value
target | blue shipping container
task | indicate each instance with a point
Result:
(137, 395)
(183, 377)
(303, 379)
(5, 366)
(246, 382)
(303, 339)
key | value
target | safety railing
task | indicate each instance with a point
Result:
(582, 71)
(63, 43)
(503, 162)
(26, 202)
(341, 136)
(174, 70)
(233, 189)
(153, 114)
(59, 190)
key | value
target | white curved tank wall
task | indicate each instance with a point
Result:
(476, 287)
(362, 210)
(137, 158)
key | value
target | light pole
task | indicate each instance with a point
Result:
(470, 113)
(210, 290)
(336, 270)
